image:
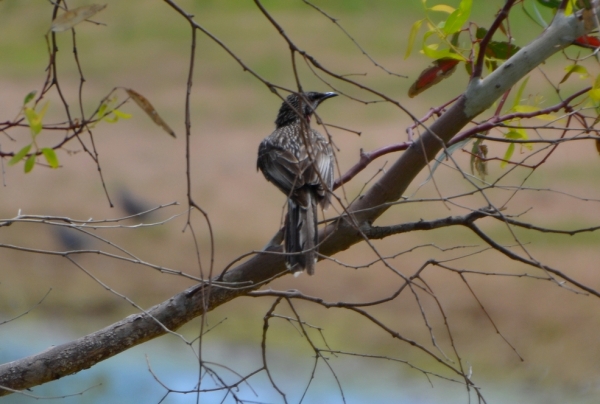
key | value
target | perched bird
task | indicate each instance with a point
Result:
(299, 161)
(133, 204)
(71, 239)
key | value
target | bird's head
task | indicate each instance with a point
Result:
(303, 103)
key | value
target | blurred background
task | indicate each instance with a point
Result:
(145, 46)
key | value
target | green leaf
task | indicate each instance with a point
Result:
(526, 109)
(520, 92)
(443, 8)
(508, 155)
(458, 18)
(596, 83)
(30, 163)
(35, 119)
(117, 115)
(120, 114)
(519, 134)
(43, 111)
(19, 156)
(491, 64)
(102, 110)
(414, 30)
(454, 40)
(481, 33)
(535, 15)
(29, 97)
(432, 52)
(569, 8)
(582, 71)
(110, 119)
(594, 94)
(32, 119)
(50, 156)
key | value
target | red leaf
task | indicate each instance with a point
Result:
(441, 69)
(587, 41)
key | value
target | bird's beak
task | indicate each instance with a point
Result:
(324, 96)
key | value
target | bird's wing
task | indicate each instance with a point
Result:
(324, 162)
(291, 168)
(280, 167)
(319, 172)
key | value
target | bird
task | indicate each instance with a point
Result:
(299, 161)
(71, 239)
(133, 204)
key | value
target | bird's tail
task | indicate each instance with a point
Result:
(301, 235)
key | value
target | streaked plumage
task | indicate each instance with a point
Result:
(299, 161)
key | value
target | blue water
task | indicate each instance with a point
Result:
(126, 378)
